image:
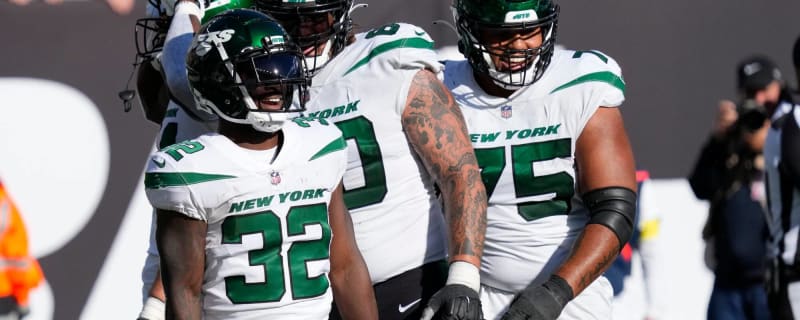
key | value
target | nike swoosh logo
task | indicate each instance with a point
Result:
(419, 33)
(404, 308)
(160, 164)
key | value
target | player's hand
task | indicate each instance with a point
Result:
(454, 302)
(543, 302)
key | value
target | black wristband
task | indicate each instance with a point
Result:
(560, 289)
(545, 301)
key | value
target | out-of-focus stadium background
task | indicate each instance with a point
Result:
(72, 159)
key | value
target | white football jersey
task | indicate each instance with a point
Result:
(525, 145)
(268, 239)
(397, 220)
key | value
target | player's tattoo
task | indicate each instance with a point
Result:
(435, 128)
(598, 268)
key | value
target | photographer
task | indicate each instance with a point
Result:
(729, 173)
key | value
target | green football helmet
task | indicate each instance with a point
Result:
(476, 17)
(307, 14)
(234, 56)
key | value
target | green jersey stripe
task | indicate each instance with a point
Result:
(335, 145)
(604, 76)
(418, 43)
(157, 180)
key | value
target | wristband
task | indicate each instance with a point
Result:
(464, 273)
(153, 309)
(560, 289)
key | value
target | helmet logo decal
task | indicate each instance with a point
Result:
(521, 16)
(276, 39)
(206, 41)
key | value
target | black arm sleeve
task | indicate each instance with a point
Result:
(613, 207)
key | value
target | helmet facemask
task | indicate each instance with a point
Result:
(472, 43)
(273, 75)
(150, 32)
(312, 25)
(272, 81)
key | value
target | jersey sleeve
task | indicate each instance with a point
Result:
(399, 46)
(615, 95)
(415, 49)
(599, 78)
(604, 70)
(166, 188)
(402, 50)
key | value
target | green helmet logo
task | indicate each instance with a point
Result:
(523, 16)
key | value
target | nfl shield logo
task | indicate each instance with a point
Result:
(275, 177)
(505, 112)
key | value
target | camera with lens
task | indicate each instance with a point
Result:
(751, 117)
(742, 144)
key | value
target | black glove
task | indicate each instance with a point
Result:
(543, 302)
(454, 302)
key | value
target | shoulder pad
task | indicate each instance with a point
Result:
(579, 67)
(400, 45)
(595, 61)
(394, 31)
(173, 158)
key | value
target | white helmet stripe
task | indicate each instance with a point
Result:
(248, 101)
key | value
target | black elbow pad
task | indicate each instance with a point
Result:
(613, 207)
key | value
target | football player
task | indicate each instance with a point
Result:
(251, 220)
(162, 40)
(404, 134)
(555, 160)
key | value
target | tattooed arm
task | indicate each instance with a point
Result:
(604, 158)
(181, 242)
(435, 128)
